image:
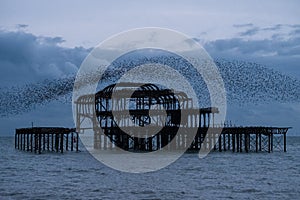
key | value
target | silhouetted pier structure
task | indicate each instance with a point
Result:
(118, 112)
(41, 139)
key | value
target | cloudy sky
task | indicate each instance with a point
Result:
(49, 39)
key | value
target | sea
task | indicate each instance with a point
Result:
(220, 175)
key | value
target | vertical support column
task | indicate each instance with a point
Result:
(126, 139)
(208, 120)
(27, 141)
(40, 142)
(135, 143)
(77, 141)
(224, 141)
(284, 142)
(213, 141)
(61, 142)
(56, 141)
(150, 143)
(241, 142)
(35, 142)
(157, 141)
(220, 143)
(256, 142)
(24, 142)
(200, 120)
(246, 142)
(196, 140)
(237, 142)
(44, 141)
(272, 138)
(233, 141)
(228, 140)
(259, 141)
(16, 140)
(52, 142)
(21, 141)
(72, 141)
(269, 142)
(142, 143)
(67, 141)
(31, 143)
(249, 142)
(48, 142)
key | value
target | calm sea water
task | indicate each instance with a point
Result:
(223, 175)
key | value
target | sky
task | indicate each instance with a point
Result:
(49, 39)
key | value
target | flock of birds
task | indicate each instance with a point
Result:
(245, 82)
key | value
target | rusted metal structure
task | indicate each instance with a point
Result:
(118, 112)
(42, 139)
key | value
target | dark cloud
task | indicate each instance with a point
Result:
(276, 53)
(295, 32)
(253, 30)
(21, 26)
(273, 28)
(295, 26)
(25, 58)
(250, 32)
(265, 47)
(243, 25)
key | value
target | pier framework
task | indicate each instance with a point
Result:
(40, 139)
(130, 106)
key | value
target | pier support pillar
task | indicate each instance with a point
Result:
(284, 142)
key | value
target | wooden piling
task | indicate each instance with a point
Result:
(40, 143)
(233, 142)
(220, 143)
(27, 141)
(77, 141)
(72, 141)
(260, 143)
(52, 142)
(16, 141)
(67, 141)
(37, 139)
(237, 142)
(256, 142)
(284, 142)
(48, 142)
(269, 143)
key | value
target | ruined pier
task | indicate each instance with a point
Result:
(42, 139)
(118, 112)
